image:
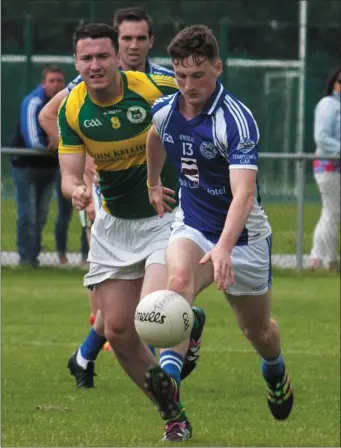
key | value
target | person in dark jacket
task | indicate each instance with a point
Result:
(34, 176)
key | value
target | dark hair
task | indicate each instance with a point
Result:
(197, 41)
(95, 31)
(333, 77)
(51, 69)
(134, 14)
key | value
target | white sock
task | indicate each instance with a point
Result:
(83, 362)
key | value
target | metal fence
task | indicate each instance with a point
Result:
(289, 195)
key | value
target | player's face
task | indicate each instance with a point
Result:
(134, 44)
(53, 83)
(197, 82)
(97, 62)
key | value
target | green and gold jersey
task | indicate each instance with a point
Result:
(115, 136)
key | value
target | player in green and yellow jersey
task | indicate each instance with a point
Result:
(108, 115)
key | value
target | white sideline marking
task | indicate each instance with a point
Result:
(51, 259)
(204, 349)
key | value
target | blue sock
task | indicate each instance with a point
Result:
(92, 345)
(273, 369)
(171, 362)
(152, 349)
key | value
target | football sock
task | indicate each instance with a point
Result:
(273, 369)
(90, 348)
(171, 362)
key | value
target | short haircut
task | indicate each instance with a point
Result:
(134, 14)
(197, 41)
(95, 31)
(334, 76)
(51, 69)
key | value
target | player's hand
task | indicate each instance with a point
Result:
(160, 197)
(52, 145)
(222, 266)
(90, 211)
(81, 197)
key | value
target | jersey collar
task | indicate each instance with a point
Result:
(212, 104)
(148, 68)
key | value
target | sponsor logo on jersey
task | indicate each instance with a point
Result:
(136, 114)
(93, 123)
(186, 138)
(189, 169)
(112, 112)
(208, 150)
(168, 138)
(216, 191)
(246, 145)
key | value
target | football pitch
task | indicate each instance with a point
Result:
(44, 318)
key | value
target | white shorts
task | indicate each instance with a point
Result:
(123, 248)
(251, 264)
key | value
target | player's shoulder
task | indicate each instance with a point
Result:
(162, 80)
(72, 84)
(156, 69)
(235, 110)
(164, 102)
(77, 94)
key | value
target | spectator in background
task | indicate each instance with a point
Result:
(327, 175)
(34, 176)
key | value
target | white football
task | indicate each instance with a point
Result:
(164, 319)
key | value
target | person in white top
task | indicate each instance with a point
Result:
(327, 175)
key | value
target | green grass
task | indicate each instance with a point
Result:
(283, 219)
(44, 318)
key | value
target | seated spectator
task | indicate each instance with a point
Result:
(34, 176)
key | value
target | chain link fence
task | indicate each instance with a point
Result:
(289, 195)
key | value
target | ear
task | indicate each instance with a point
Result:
(75, 61)
(151, 42)
(218, 67)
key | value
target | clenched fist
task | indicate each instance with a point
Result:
(81, 197)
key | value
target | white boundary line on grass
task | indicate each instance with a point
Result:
(286, 261)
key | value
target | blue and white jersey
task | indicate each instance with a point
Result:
(151, 68)
(224, 136)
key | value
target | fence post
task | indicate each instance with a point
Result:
(28, 47)
(300, 169)
(224, 45)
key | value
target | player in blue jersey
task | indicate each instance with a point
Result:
(221, 233)
(135, 34)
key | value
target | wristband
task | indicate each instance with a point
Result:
(153, 188)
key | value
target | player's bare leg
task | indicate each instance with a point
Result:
(253, 314)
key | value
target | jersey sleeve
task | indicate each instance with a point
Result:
(242, 136)
(74, 83)
(166, 84)
(160, 111)
(69, 140)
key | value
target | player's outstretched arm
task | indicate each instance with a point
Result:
(243, 182)
(48, 117)
(159, 196)
(73, 185)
